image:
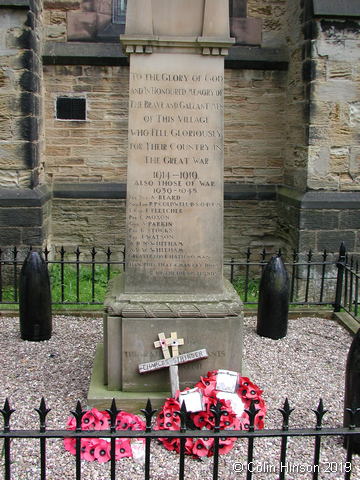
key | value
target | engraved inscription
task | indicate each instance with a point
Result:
(175, 186)
(178, 360)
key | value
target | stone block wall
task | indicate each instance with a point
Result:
(77, 20)
(254, 126)
(273, 16)
(55, 18)
(20, 103)
(250, 223)
(88, 222)
(100, 222)
(334, 130)
(94, 150)
(24, 205)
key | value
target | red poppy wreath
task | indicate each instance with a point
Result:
(99, 448)
(235, 395)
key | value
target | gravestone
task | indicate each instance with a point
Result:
(173, 279)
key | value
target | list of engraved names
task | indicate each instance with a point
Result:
(175, 174)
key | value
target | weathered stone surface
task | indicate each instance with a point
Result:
(171, 305)
(174, 182)
(319, 220)
(222, 350)
(122, 364)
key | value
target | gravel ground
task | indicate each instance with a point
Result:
(306, 365)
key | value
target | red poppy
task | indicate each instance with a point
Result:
(229, 420)
(89, 451)
(201, 447)
(207, 385)
(122, 448)
(71, 423)
(172, 444)
(201, 419)
(102, 451)
(70, 445)
(226, 444)
(89, 421)
(98, 448)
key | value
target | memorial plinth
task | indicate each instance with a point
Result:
(173, 279)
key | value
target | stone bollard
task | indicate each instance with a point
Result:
(273, 307)
(352, 390)
(35, 299)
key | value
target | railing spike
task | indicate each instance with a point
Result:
(149, 413)
(320, 412)
(113, 411)
(252, 412)
(43, 412)
(183, 414)
(78, 414)
(6, 412)
(286, 411)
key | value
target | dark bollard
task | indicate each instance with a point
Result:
(273, 308)
(35, 299)
(352, 391)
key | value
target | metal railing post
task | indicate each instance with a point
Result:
(340, 264)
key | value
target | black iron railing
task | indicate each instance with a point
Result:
(80, 277)
(347, 284)
(317, 432)
(312, 280)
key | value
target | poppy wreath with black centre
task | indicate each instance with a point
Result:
(169, 419)
(99, 449)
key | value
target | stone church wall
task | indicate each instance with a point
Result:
(95, 150)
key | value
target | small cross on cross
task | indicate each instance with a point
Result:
(172, 342)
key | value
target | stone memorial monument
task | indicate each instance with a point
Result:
(173, 279)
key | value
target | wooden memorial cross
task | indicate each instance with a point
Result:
(173, 361)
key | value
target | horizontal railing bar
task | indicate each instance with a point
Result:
(74, 262)
(121, 262)
(319, 262)
(330, 304)
(300, 432)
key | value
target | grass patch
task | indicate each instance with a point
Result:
(87, 286)
(247, 291)
(75, 287)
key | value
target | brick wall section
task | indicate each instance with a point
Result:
(96, 150)
(55, 18)
(88, 222)
(19, 99)
(101, 222)
(295, 139)
(24, 205)
(272, 13)
(254, 126)
(334, 131)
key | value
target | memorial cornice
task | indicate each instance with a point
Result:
(150, 43)
(110, 54)
(152, 305)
